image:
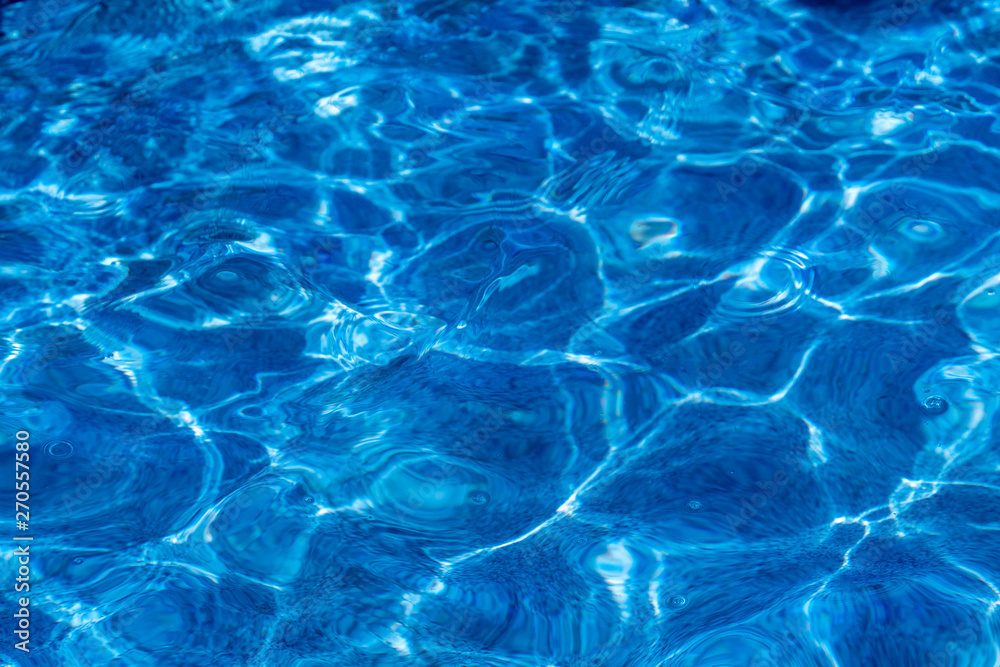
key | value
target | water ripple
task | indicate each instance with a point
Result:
(490, 333)
(766, 286)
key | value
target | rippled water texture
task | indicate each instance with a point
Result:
(479, 333)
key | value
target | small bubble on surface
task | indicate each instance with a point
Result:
(695, 505)
(59, 449)
(935, 405)
(677, 601)
(922, 230)
(309, 500)
(770, 284)
(991, 292)
(479, 498)
(78, 561)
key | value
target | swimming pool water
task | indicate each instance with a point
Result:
(477, 332)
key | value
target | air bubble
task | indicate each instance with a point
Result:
(309, 500)
(479, 497)
(59, 449)
(695, 505)
(923, 231)
(78, 561)
(935, 405)
(677, 601)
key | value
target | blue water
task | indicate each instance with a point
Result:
(615, 333)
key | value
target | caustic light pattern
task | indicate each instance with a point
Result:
(483, 332)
